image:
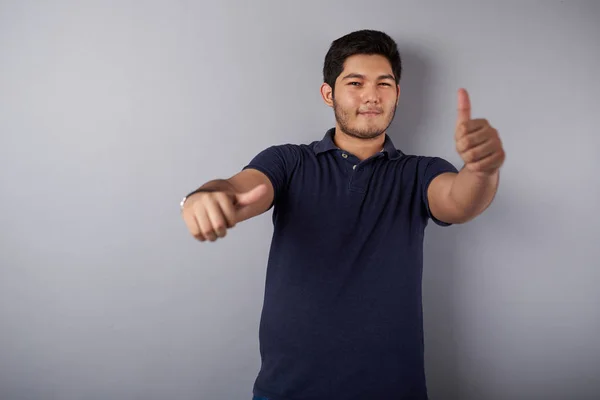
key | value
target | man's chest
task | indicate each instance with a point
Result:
(343, 199)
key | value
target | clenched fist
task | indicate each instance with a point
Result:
(209, 214)
(477, 143)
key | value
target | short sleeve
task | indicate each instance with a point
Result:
(277, 163)
(432, 167)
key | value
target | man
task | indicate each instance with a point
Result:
(342, 313)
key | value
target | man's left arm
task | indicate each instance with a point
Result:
(460, 197)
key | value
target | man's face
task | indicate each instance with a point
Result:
(366, 96)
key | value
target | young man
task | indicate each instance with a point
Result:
(342, 313)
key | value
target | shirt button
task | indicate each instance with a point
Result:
(354, 167)
(344, 155)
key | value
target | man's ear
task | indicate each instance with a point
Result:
(327, 93)
(398, 96)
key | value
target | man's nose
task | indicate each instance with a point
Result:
(370, 93)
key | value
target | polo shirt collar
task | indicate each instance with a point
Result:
(327, 144)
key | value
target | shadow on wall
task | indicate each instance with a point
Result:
(440, 258)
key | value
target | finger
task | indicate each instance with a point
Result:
(228, 209)
(480, 152)
(252, 196)
(204, 222)
(216, 218)
(471, 126)
(471, 140)
(476, 124)
(192, 225)
(487, 164)
(464, 106)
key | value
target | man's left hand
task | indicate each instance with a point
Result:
(477, 142)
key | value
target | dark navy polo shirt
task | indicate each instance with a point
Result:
(342, 312)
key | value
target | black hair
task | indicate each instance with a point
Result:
(360, 42)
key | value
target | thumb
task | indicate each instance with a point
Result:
(252, 196)
(464, 107)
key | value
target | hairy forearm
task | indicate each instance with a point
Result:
(472, 193)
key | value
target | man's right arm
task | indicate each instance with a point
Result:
(220, 204)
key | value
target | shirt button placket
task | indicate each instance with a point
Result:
(345, 155)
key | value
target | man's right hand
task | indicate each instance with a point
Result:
(208, 215)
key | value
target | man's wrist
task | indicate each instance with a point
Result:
(217, 185)
(187, 196)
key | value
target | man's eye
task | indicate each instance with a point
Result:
(354, 83)
(385, 84)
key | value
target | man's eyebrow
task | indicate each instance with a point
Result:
(359, 76)
(387, 76)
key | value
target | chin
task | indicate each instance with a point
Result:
(366, 133)
(371, 130)
(363, 129)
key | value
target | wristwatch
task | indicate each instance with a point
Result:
(189, 194)
(185, 198)
(182, 203)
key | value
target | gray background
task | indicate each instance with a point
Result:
(111, 111)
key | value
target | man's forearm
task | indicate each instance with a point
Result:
(217, 185)
(472, 193)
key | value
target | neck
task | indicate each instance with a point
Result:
(361, 148)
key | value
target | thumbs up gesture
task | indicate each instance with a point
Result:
(477, 142)
(209, 214)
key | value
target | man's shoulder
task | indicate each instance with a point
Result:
(286, 154)
(294, 148)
